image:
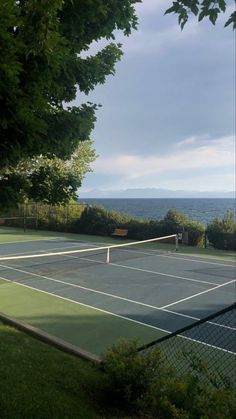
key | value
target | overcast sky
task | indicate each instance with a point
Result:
(167, 116)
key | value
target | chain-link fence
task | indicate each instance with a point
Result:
(206, 348)
(43, 216)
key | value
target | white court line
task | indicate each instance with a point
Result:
(180, 258)
(169, 255)
(81, 250)
(197, 319)
(119, 316)
(198, 261)
(26, 241)
(161, 273)
(207, 344)
(36, 256)
(150, 253)
(89, 306)
(80, 287)
(154, 253)
(199, 293)
(69, 284)
(114, 264)
(29, 252)
(143, 270)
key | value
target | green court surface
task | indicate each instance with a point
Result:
(90, 329)
(143, 293)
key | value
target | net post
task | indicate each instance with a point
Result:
(176, 243)
(108, 255)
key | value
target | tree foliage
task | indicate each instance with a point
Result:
(43, 66)
(225, 224)
(201, 9)
(47, 179)
(45, 62)
(221, 232)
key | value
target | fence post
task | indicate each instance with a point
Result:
(24, 217)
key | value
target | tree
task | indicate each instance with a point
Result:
(221, 232)
(47, 179)
(202, 9)
(42, 66)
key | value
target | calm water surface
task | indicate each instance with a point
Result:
(202, 210)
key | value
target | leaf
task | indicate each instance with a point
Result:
(201, 15)
(231, 20)
(207, 3)
(183, 18)
(222, 5)
(170, 10)
(194, 9)
(201, 9)
(213, 15)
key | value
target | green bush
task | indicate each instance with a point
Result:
(129, 374)
(99, 221)
(186, 397)
(144, 229)
(144, 383)
(196, 233)
(56, 217)
(221, 233)
(93, 219)
(175, 222)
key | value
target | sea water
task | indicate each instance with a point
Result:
(203, 210)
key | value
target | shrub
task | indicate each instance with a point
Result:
(222, 232)
(51, 217)
(93, 219)
(129, 374)
(97, 220)
(144, 382)
(186, 397)
(196, 233)
(143, 229)
(175, 222)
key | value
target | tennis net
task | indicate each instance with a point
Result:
(69, 260)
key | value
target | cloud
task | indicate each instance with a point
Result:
(156, 38)
(192, 155)
(201, 182)
(191, 140)
(151, 6)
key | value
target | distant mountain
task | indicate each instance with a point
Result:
(154, 193)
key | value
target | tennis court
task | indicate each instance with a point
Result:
(92, 293)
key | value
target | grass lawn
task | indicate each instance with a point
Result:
(38, 381)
